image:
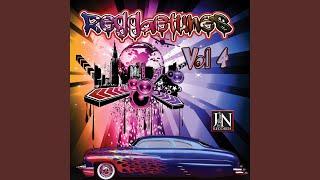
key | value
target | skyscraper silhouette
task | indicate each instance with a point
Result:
(114, 66)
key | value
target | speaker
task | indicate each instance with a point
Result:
(139, 100)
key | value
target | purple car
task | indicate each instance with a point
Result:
(162, 156)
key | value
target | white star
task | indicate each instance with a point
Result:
(174, 88)
(198, 75)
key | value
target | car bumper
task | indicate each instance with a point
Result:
(240, 171)
(87, 171)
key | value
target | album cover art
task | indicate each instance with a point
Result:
(159, 89)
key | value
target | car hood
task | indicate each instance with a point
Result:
(221, 151)
(224, 154)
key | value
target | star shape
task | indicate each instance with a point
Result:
(174, 88)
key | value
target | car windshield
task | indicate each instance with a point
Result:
(182, 145)
(203, 144)
(154, 144)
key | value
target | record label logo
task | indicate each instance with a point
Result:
(222, 121)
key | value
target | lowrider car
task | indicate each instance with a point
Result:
(161, 156)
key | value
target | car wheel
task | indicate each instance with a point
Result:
(105, 171)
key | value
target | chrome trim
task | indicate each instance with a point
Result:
(240, 170)
(206, 164)
(84, 167)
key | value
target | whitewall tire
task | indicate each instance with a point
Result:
(106, 171)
